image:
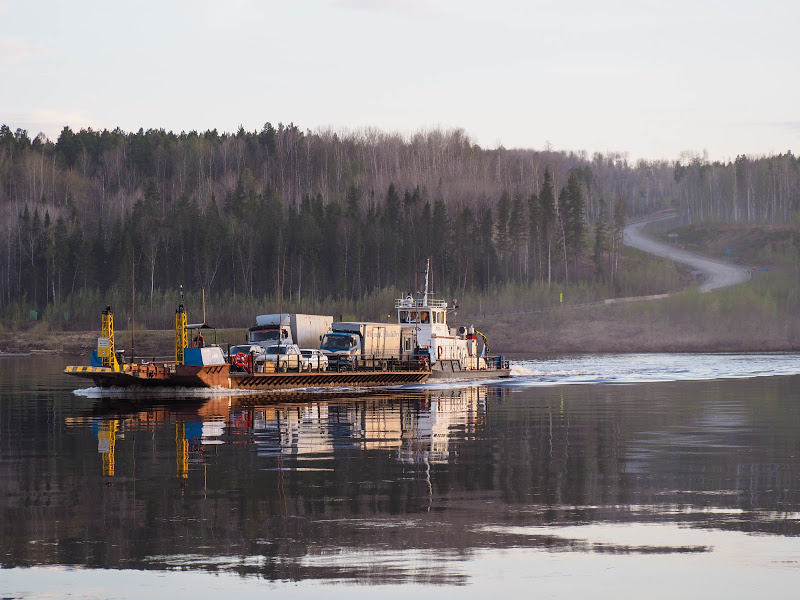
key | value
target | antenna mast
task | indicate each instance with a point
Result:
(133, 304)
(427, 269)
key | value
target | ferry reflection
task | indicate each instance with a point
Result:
(416, 427)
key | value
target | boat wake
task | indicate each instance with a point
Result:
(157, 392)
(518, 370)
(643, 368)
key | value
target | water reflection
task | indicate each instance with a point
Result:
(423, 486)
(282, 487)
(303, 431)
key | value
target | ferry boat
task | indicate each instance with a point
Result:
(197, 365)
(425, 348)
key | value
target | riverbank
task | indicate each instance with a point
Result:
(148, 343)
(745, 318)
(683, 323)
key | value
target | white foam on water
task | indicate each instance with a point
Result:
(642, 368)
(157, 392)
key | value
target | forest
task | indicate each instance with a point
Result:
(298, 219)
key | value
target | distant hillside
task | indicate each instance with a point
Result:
(296, 218)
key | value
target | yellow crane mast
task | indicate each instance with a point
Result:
(106, 349)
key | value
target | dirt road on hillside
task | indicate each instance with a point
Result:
(716, 273)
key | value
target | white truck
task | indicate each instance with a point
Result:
(290, 328)
(353, 344)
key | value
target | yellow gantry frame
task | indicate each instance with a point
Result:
(181, 336)
(108, 355)
(181, 451)
(107, 441)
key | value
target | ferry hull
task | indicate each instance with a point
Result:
(476, 374)
(452, 369)
(153, 375)
(221, 376)
(267, 381)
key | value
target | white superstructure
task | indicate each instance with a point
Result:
(426, 319)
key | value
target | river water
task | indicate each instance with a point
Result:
(603, 476)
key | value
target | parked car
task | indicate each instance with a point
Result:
(244, 349)
(243, 356)
(316, 360)
(286, 357)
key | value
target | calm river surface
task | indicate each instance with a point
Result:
(639, 476)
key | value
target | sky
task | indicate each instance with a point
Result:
(650, 79)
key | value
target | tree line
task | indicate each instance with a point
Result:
(284, 214)
(762, 190)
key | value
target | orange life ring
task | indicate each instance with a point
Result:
(241, 360)
(439, 351)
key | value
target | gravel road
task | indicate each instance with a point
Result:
(716, 273)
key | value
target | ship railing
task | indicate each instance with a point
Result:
(379, 362)
(419, 303)
(497, 362)
(151, 366)
(155, 360)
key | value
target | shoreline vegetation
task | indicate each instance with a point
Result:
(685, 322)
(758, 316)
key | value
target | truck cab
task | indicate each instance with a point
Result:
(341, 348)
(361, 344)
(269, 335)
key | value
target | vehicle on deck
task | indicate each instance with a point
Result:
(351, 345)
(289, 328)
(317, 361)
(285, 357)
(243, 356)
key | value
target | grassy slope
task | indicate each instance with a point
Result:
(722, 321)
(761, 315)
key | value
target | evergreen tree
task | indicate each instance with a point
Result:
(548, 216)
(620, 212)
(574, 223)
(600, 239)
(536, 250)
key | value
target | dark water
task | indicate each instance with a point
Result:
(686, 483)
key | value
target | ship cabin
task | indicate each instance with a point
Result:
(422, 319)
(421, 311)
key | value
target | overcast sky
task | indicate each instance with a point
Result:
(649, 78)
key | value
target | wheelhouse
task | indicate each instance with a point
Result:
(418, 311)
